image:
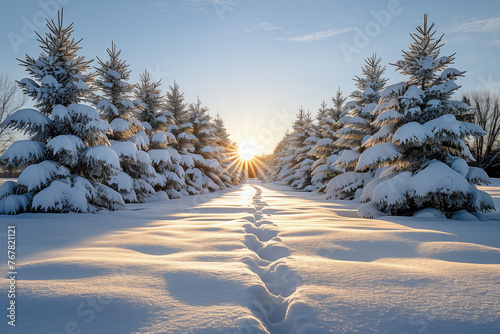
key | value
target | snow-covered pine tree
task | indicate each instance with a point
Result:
(149, 93)
(279, 165)
(303, 140)
(321, 119)
(174, 104)
(356, 130)
(185, 140)
(65, 160)
(319, 128)
(318, 151)
(225, 153)
(113, 102)
(157, 121)
(203, 176)
(426, 144)
(127, 136)
(326, 150)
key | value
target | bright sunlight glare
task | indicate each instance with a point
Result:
(246, 151)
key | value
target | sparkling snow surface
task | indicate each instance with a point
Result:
(259, 258)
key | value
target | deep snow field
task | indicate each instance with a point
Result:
(260, 258)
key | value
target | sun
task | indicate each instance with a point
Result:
(245, 159)
(246, 151)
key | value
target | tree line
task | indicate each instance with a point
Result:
(97, 141)
(400, 148)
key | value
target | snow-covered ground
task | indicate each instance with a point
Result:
(260, 258)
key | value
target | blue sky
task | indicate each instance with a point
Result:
(257, 62)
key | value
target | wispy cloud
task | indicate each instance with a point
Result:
(478, 25)
(200, 10)
(268, 26)
(265, 26)
(161, 6)
(494, 42)
(316, 36)
(461, 38)
(198, 5)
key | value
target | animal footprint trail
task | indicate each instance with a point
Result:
(279, 283)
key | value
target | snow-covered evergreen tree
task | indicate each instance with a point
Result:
(422, 140)
(127, 136)
(225, 153)
(357, 128)
(326, 150)
(151, 115)
(174, 104)
(321, 119)
(157, 123)
(182, 129)
(65, 160)
(113, 100)
(203, 175)
(279, 165)
(298, 170)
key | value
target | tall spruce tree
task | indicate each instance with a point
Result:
(114, 105)
(225, 153)
(174, 104)
(326, 149)
(279, 165)
(426, 146)
(65, 159)
(297, 173)
(149, 93)
(357, 128)
(204, 176)
(157, 123)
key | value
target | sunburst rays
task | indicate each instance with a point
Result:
(243, 159)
